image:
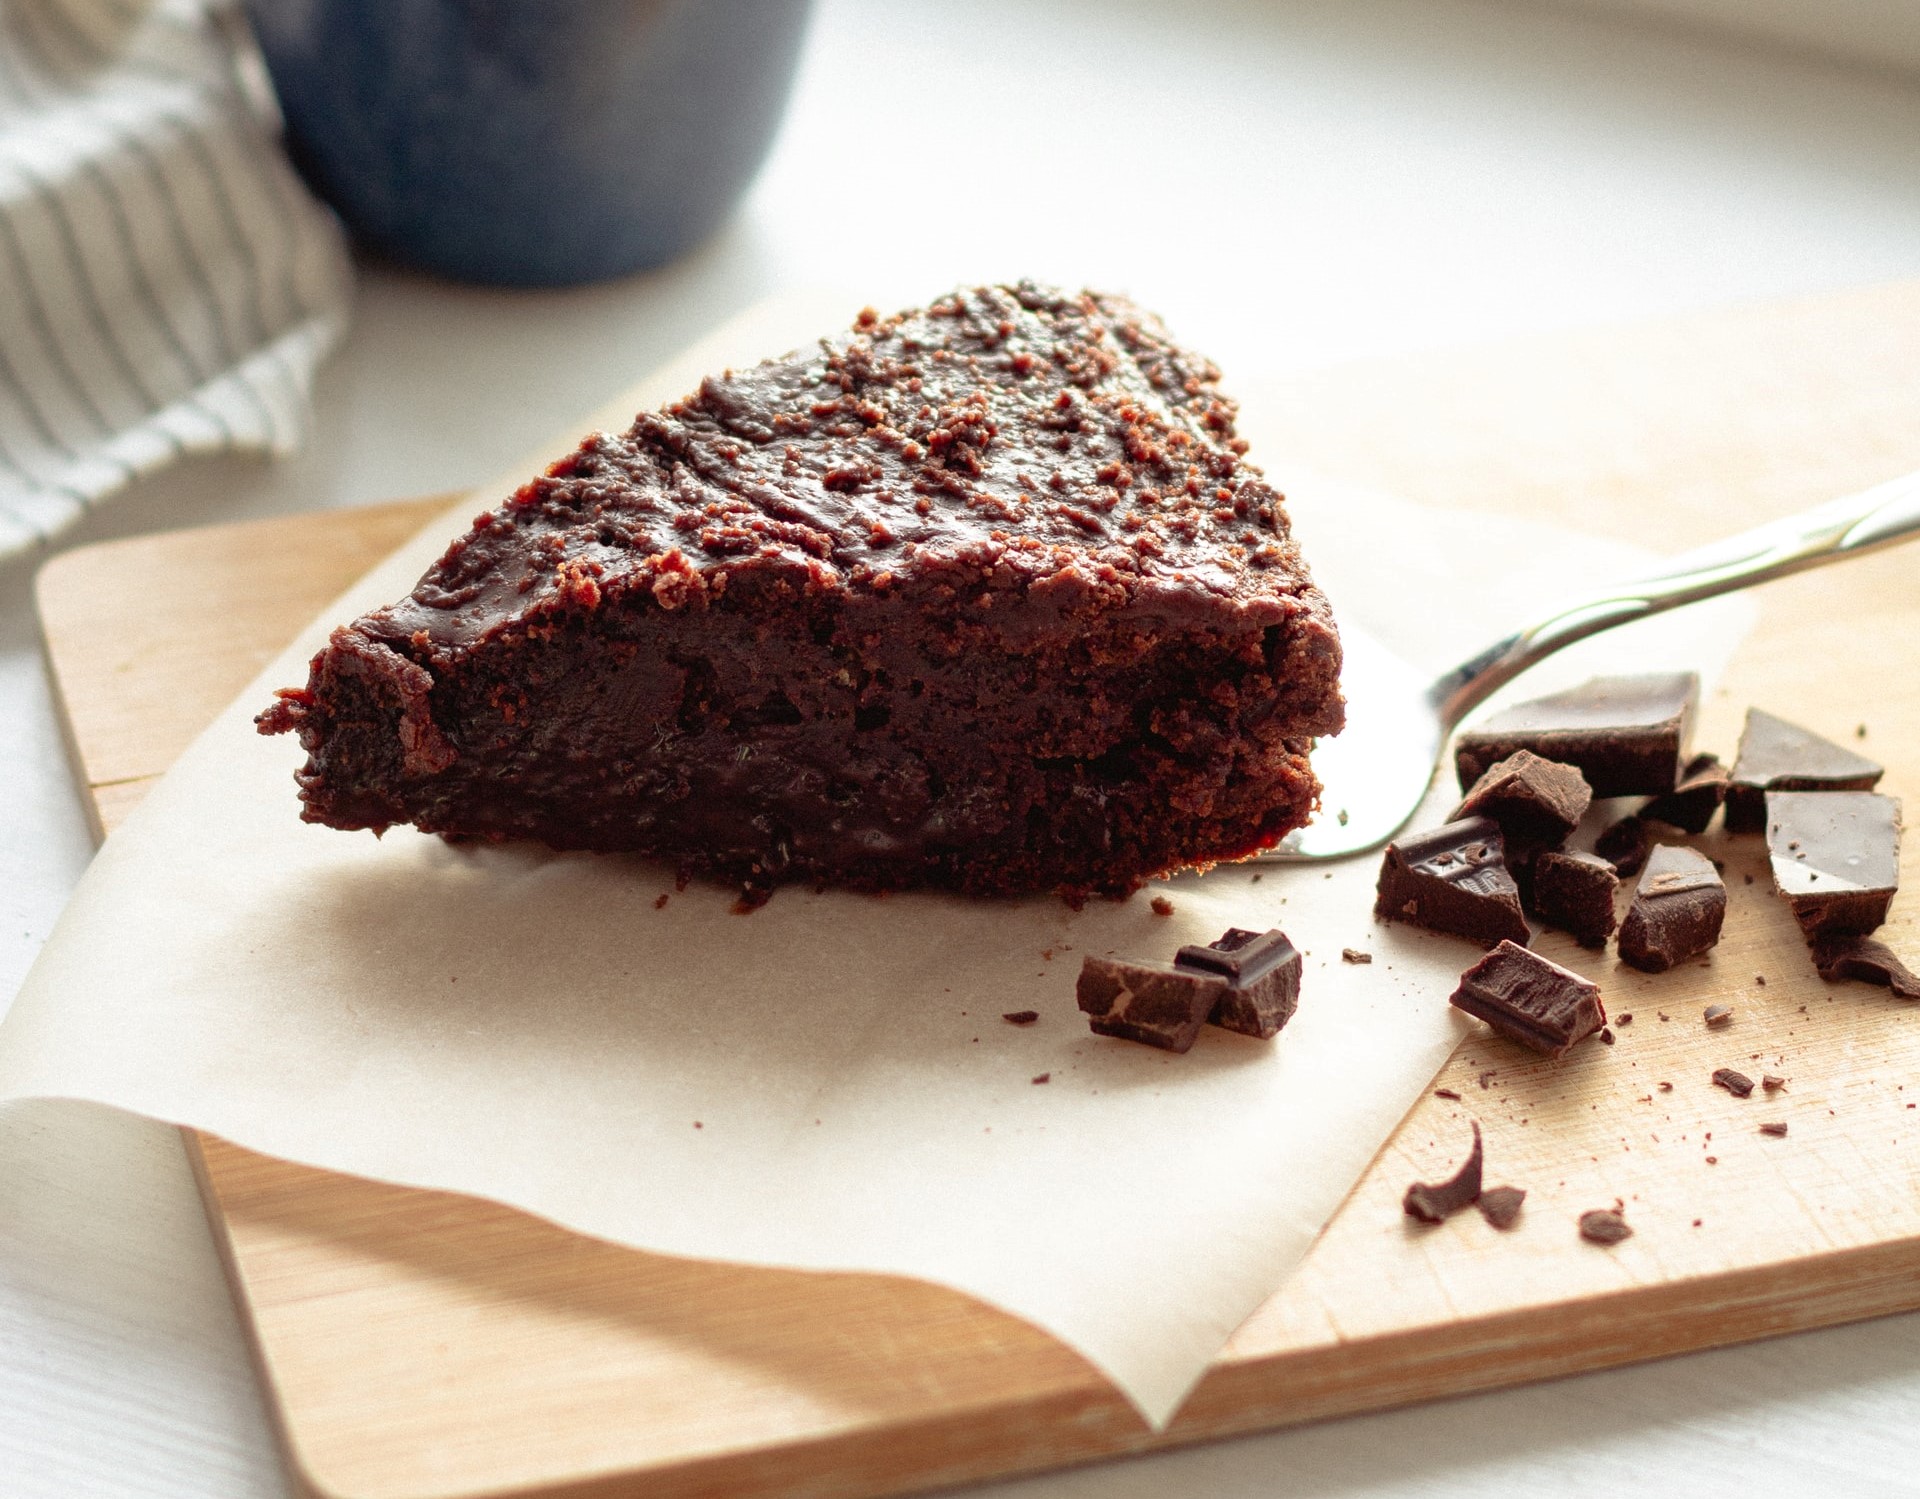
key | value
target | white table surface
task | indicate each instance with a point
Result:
(1290, 183)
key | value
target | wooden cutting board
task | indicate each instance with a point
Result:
(430, 1346)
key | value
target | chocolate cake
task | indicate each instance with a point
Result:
(984, 596)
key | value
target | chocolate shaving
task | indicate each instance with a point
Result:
(1354, 955)
(1021, 1017)
(1717, 1016)
(1777, 1128)
(1736, 1083)
(1850, 956)
(1431, 1202)
(1446, 1093)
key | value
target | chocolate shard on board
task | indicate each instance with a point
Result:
(1432, 1202)
(1604, 1226)
(1847, 955)
(1536, 802)
(1531, 1000)
(1453, 878)
(1262, 974)
(1677, 910)
(1500, 1206)
(1575, 892)
(1156, 1004)
(1779, 756)
(1691, 804)
(1835, 857)
(1626, 734)
(984, 596)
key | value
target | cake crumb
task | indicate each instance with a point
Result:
(1161, 906)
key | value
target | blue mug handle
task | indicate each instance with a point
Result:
(531, 142)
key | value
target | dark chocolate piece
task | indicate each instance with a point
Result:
(1776, 1128)
(1626, 844)
(1604, 1226)
(1835, 857)
(1850, 956)
(1154, 1003)
(1779, 756)
(1717, 1016)
(1454, 879)
(1626, 734)
(1736, 1083)
(1500, 1206)
(1771, 1083)
(1691, 804)
(1261, 971)
(1355, 955)
(1530, 1000)
(1575, 892)
(1431, 1202)
(1536, 802)
(1677, 910)
(1021, 1017)
(984, 597)
(1446, 1093)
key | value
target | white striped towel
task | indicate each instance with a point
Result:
(167, 285)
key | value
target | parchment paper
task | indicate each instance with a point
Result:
(826, 1084)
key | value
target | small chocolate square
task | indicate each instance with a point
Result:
(1153, 1003)
(1575, 892)
(1262, 975)
(1453, 879)
(1530, 1000)
(1835, 857)
(1677, 910)
(1536, 802)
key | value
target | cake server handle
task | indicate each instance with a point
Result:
(1878, 517)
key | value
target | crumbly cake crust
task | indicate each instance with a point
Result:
(983, 596)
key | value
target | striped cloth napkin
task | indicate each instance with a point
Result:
(167, 285)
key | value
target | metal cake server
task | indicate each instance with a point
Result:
(1377, 771)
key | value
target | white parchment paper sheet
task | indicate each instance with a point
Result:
(825, 1084)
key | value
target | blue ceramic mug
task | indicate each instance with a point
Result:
(531, 142)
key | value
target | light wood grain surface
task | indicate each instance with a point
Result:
(424, 1345)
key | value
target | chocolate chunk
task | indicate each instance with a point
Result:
(1262, 974)
(1691, 804)
(1153, 1003)
(1431, 1202)
(1835, 857)
(1575, 892)
(1500, 1206)
(1777, 1128)
(1850, 956)
(1626, 844)
(1677, 910)
(1530, 1000)
(1446, 1093)
(1771, 1083)
(1626, 734)
(1604, 1226)
(1717, 1016)
(1536, 802)
(1354, 955)
(1779, 756)
(1021, 1017)
(1453, 879)
(1736, 1083)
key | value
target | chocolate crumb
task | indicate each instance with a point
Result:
(1354, 955)
(1772, 1083)
(1161, 906)
(1045, 1077)
(1666, 1087)
(1606, 1035)
(1021, 1017)
(1491, 1072)
(1717, 1015)
(660, 901)
(1777, 1128)
(1625, 1018)
(1713, 1160)
(1736, 1083)
(1431, 1202)
(1604, 1226)
(1446, 1093)
(1500, 1206)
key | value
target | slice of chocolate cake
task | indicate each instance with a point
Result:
(983, 596)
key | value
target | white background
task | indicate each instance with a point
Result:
(1291, 184)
